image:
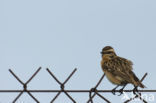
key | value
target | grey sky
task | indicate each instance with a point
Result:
(67, 34)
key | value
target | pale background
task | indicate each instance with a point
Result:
(67, 34)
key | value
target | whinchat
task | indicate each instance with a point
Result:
(118, 70)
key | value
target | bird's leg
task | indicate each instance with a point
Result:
(113, 90)
(121, 90)
(135, 89)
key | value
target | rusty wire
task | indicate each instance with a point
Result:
(66, 92)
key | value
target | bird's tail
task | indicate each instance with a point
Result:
(141, 85)
(137, 82)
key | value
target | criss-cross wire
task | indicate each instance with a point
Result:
(25, 85)
(62, 86)
(96, 92)
(66, 92)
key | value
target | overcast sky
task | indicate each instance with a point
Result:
(67, 34)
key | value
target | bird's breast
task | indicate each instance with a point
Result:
(114, 79)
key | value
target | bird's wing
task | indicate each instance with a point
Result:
(119, 67)
(126, 64)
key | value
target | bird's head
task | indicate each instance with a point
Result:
(108, 51)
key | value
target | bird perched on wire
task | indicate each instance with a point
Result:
(118, 70)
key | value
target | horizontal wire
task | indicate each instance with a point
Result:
(11, 91)
(66, 91)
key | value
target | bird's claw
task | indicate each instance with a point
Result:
(121, 92)
(135, 90)
(113, 91)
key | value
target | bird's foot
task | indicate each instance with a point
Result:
(135, 90)
(120, 91)
(113, 91)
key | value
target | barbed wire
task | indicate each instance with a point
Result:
(93, 90)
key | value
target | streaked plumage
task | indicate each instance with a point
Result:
(117, 69)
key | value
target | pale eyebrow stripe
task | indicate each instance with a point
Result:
(110, 50)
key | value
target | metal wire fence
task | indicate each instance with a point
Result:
(91, 93)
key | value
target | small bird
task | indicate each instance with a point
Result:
(118, 70)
